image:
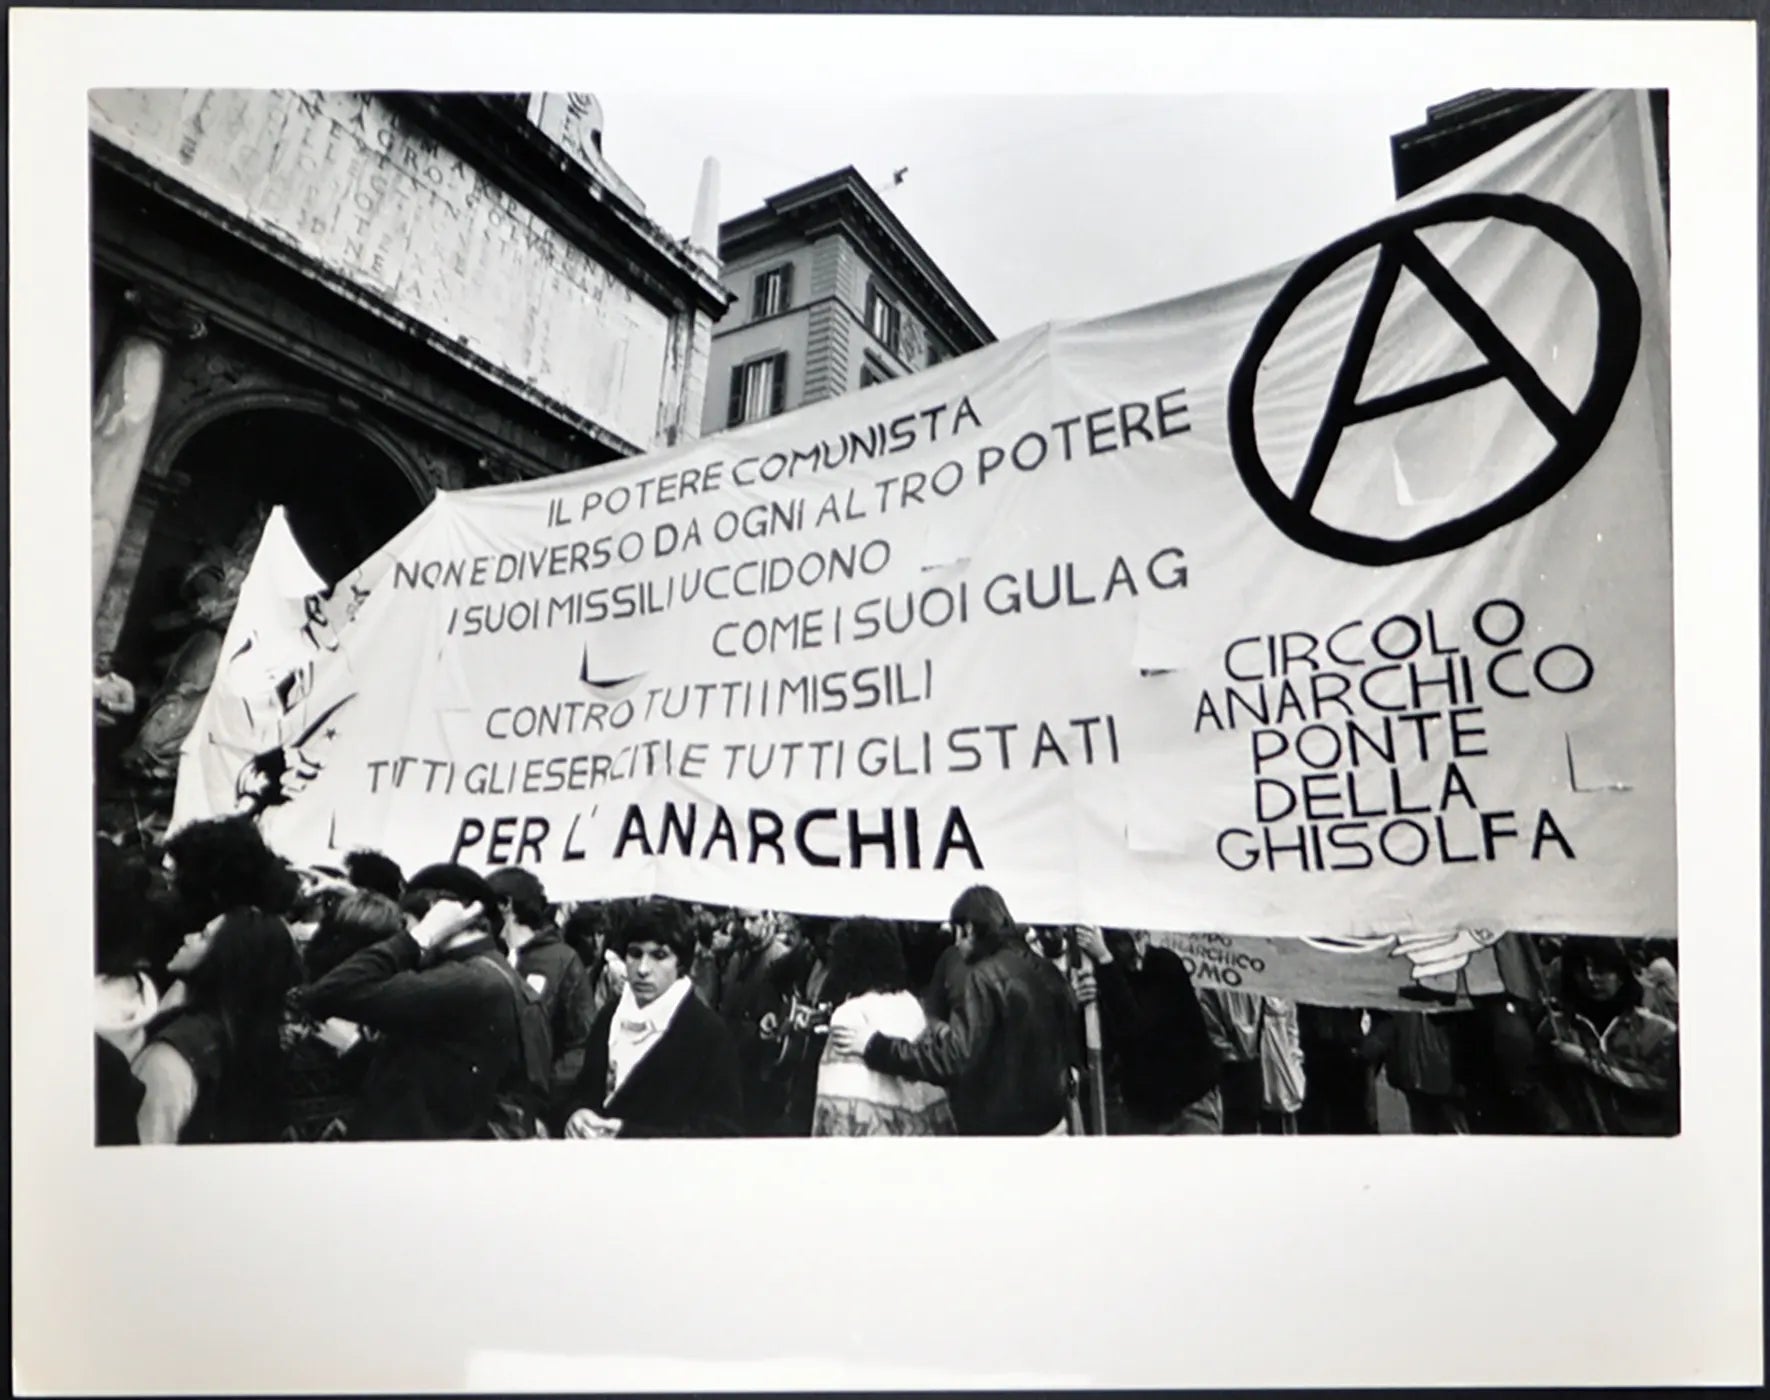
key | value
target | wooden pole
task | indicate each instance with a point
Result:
(1096, 1065)
(1558, 1026)
(1091, 1042)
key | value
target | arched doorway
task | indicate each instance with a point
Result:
(344, 496)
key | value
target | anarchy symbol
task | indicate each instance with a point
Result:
(1576, 432)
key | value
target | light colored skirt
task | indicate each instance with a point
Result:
(848, 1117)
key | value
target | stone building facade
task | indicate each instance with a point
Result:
(832, 293)
(344, 302)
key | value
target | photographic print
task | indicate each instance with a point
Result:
(671, 602)
(1245, 712)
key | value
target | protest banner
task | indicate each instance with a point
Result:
(245, 744)
(1379, 973)
(1334, 602)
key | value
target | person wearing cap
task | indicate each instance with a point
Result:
(447, 1022)
(548, 965)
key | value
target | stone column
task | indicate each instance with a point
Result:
(123, 419)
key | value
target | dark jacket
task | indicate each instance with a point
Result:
(945, 984)
(1152, 1025)
(1418, 1052)
(324, 1086)
(448, 1042)
(685, 1086)
(1006, 1051)
(568, 998)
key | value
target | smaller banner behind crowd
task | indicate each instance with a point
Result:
(1331, 604)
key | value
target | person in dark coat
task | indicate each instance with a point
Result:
(325, 1061)
(1155, 1033)
(659, 1062)
(1341, 1093)
(446, 1016)
(1008, 1052)
(1419, 1054)
(550, 966)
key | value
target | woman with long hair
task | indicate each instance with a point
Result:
(211, 1069)
(869, 985)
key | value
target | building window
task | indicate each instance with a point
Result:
(873, 372)
(758, 389)
(883, 319)
(773, 292)
(935, 353)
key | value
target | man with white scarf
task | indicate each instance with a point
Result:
(658, 1063)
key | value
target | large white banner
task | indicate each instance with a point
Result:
(1334, 602)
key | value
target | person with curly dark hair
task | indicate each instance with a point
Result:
(211, 1069)
(869, 984)
(370, 870)
(223, 864)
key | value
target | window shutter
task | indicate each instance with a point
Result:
(734, 413)
(758, 289)
(786, 287)
(780, 383)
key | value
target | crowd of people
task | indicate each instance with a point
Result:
(239, 999)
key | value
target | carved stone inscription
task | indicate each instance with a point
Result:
(344, 180)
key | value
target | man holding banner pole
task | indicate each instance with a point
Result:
(1167, 1067)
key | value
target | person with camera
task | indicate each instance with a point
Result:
(1155, 1033)
(803, 979)
(1009, 1051)
(659, 1062)
(753, 1001)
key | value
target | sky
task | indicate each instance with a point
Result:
(1044, 208)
